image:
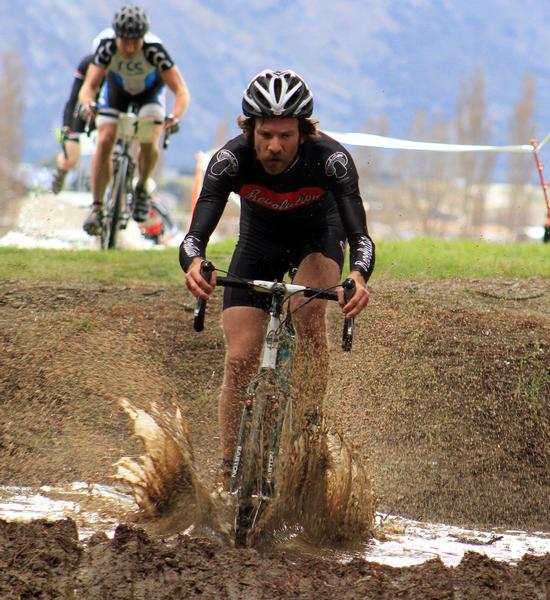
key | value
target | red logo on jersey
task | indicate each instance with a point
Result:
(263, 196)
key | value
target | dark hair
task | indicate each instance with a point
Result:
(306, 126)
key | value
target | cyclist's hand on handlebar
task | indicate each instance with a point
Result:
(196, 283)
(88, 111)
(172, 123)
(358, 301)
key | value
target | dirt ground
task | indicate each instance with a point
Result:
(445, 398)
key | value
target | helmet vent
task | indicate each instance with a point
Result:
(277, 94)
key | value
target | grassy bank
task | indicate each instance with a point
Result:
(414, 259)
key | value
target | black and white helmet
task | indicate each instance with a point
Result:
(277, 94)
(130, 22)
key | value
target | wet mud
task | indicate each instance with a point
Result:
(320, 488)
(45, 560)
(443, 404)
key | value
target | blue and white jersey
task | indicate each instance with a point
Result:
(140, 73)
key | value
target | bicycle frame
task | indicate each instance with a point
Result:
(116, 210)
(268, 397)
(119, 202)
(275, 365)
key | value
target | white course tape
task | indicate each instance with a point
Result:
(379, 141)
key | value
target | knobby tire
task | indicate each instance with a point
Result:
(252, 468)
(113, 207)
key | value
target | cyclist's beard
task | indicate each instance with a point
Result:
(274, 164)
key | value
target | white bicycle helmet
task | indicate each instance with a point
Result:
(277, 94)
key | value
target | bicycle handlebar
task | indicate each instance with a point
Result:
(207, 268)
(88, 114)
(347, 334)
(271, 286)
(62, 135)
(169, 131)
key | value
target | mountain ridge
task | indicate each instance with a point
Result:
(361, 59)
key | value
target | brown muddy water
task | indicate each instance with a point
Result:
(163, 492)
(398, 542)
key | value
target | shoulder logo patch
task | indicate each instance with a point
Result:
(337, 165)
(226, 162)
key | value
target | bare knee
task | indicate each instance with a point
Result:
(106, 140)
(243, 330)
(240, 365)
(309, 321)
(149, 151)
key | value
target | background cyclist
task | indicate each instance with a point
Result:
(136, 67)
(73, 125)
(299, 202)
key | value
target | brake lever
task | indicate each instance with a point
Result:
(169, 131)
(207, 268)
(93, 111)
(347, 334)
(61, 136)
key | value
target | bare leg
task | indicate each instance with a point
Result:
(244, 329)
(311, 359)
(101, 162)
(73, 154)
(148, 157)
(65, 162)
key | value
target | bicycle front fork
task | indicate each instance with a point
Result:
(129, 200)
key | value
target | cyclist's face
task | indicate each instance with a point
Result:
(128, 48)
(276, 142)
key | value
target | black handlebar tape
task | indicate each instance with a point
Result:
(228, 282)
(88, 121)
(198, 321)
(169, 131)
(166, 140)
(347, 334)
(64, 145)
(320, 294)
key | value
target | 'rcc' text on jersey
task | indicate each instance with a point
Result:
(141, 72)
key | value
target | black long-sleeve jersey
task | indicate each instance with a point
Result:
(322, 174)
(70, 110)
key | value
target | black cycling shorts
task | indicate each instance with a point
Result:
(79, 126)
(114, 97)
(260, 254)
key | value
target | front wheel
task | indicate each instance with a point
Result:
(255, 489)
(114, 205)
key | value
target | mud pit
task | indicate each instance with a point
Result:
(445, 397)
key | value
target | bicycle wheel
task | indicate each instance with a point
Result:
(113, 206)
(252, 496)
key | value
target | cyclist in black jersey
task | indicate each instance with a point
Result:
(300, 202)
(136, 68)
(73, 125)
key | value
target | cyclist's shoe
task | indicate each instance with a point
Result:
(58, 180)
(141, 204)
(92, 224)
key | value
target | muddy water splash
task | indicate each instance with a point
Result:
(322, 487)
(164, 481)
